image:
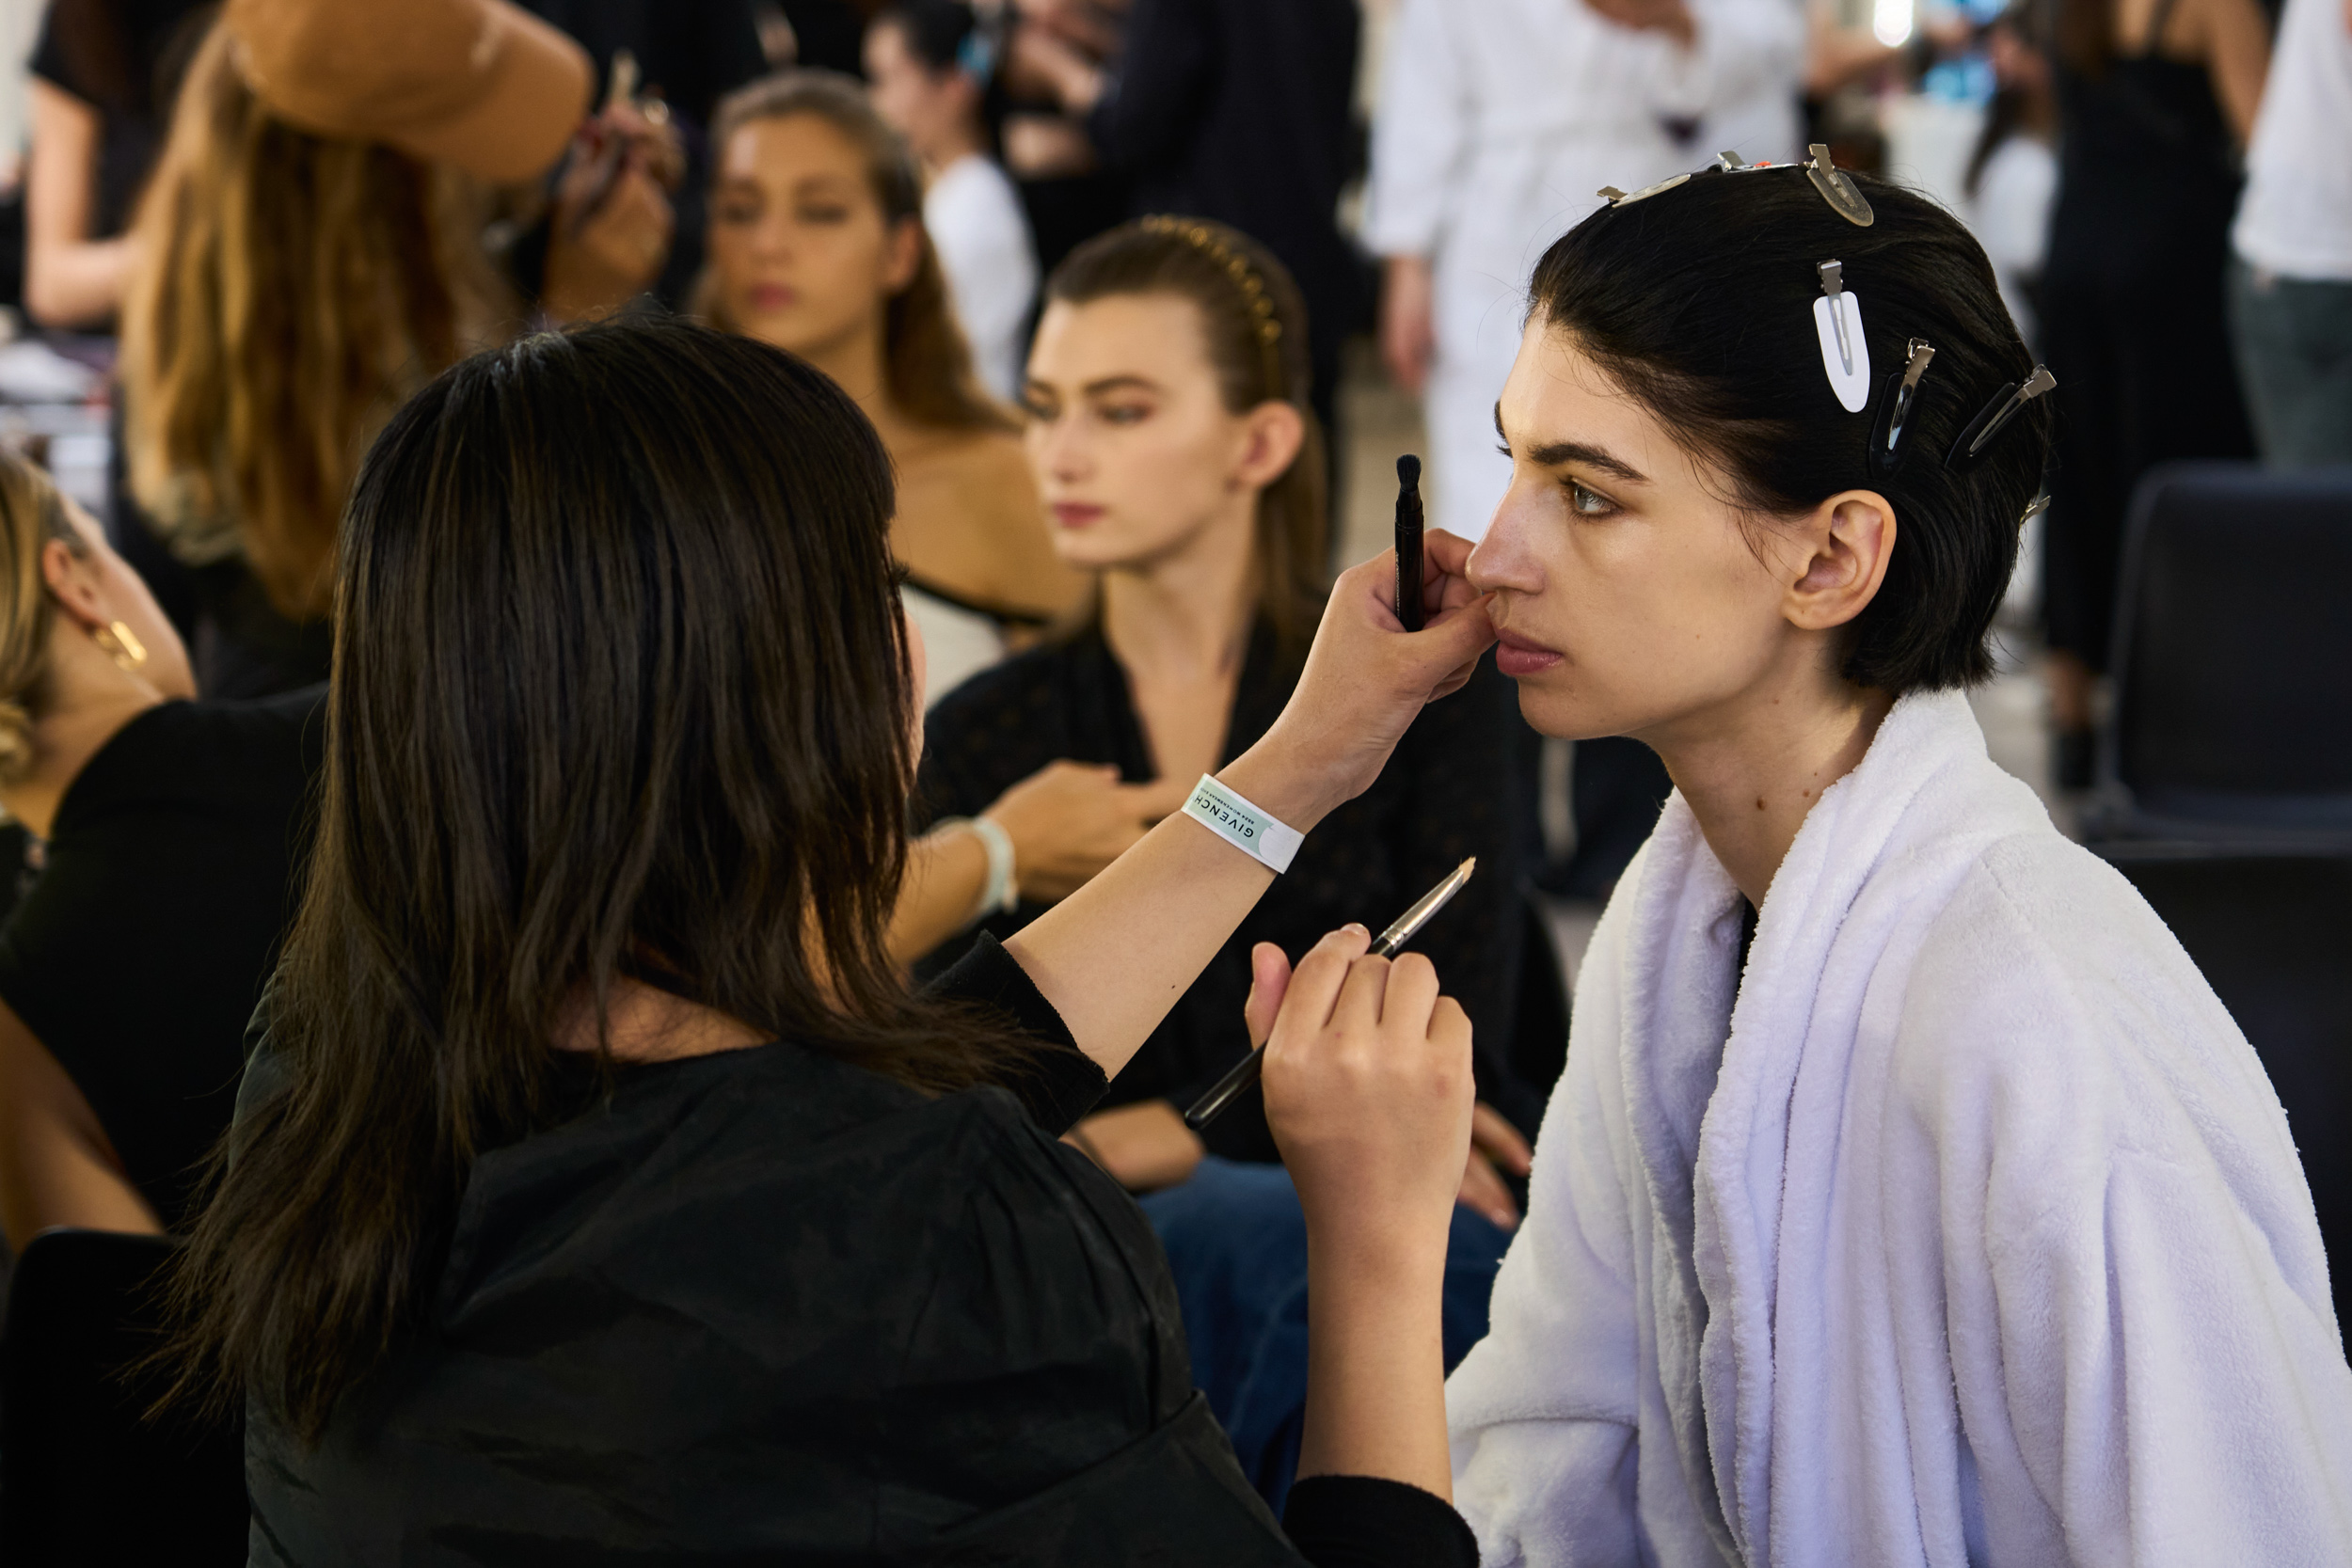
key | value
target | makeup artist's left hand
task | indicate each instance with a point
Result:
(1495, 1144)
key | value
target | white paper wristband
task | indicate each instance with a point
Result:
(1253, 832)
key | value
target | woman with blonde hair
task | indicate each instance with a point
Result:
(129, 968)
(817, 248)
(292, 288)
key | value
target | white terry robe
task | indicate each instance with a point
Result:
(1980, 1239)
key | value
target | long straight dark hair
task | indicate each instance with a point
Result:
(621, 689)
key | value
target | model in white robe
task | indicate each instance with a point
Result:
(1971, 1234)
(1495, 124)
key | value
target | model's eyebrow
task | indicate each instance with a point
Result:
(1551, 455)
(1121, 384)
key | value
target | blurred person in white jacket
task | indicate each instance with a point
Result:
(2291, 278)
(1497, 121)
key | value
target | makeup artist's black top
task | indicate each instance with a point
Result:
(137, 950)
(764, 1306)
(1444, 795)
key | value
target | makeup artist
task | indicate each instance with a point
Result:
(705, 1238)
(1173, 442)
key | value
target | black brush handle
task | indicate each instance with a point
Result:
(1408, 526)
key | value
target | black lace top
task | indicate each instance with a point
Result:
(1443, 795)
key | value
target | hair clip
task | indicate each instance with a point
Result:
(1896, 400)
(1838, 188)
(1616, 198)
(976, 56)
(1995, 415)
(1731, 162)
(1845, 352)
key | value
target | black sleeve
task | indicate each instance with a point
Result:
(1365, 1522)
(1059, 1083)
(1151, 103)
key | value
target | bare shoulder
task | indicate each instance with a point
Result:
(969, 520)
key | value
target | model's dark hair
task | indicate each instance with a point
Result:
(1698, 302)
(926, 362)
(1254, 321)
(934, 30)
(621, 689)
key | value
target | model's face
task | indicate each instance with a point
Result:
(99, 586)
(1134, 450)
(926, 107)
(804, 257)
(1628, 598)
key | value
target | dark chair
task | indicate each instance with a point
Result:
(85, 1476)
(2233, 658)
(2271, 927)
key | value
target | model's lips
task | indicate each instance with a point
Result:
(1516, 657)
(771, 296)
(1076, 514)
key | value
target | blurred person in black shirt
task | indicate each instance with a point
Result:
(1237, 111)
(103, 74)
(168, 834)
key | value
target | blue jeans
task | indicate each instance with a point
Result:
(1238, 1243)
(2294, 339)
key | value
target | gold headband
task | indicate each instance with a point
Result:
(1256, 303)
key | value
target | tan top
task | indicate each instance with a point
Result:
(478, 84)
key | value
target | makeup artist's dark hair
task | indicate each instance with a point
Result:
(1255, 325)
(621, 689)
(1698, 302)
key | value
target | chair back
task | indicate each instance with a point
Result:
(2271, 927)
(2232, 656)
(85, 1476)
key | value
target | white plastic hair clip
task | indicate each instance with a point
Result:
(1845, 353)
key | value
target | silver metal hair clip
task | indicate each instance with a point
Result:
(1896, 400)
(1995, 415)
(1616, 198)
(1838, 188)
(1845, 352)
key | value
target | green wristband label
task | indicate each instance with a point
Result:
(1255, 833)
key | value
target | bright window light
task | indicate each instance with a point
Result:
(1891, 21)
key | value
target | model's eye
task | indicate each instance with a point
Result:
(1040, 408)
(1588, 503)
(1125, 413)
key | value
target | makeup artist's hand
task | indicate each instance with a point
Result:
(1368, 1088)
(1368, 1091)
(1495, 1144)
(1366, 680)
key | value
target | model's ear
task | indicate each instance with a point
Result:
(903, 255)
(73, 584)
(1847, 542)
(1276, 431)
